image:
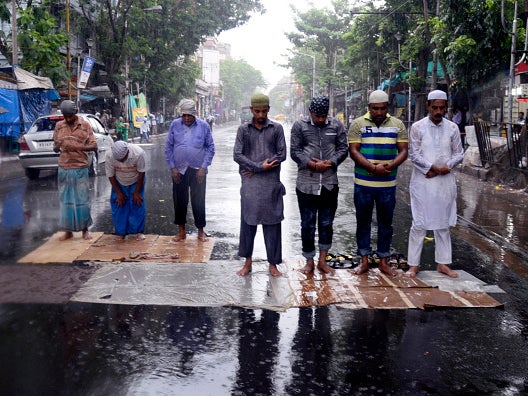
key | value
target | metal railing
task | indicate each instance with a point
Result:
(516, 142)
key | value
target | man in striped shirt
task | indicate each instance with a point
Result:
(378, 144)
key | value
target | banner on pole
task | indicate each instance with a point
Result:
(86, 70)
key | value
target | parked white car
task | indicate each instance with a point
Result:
(36, 146)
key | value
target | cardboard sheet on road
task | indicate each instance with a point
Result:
(216, 284)
(107, 248)
(60, 252)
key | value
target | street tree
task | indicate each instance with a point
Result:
(240, 81)
(155, 42)
(39, 41)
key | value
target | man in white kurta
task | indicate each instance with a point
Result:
(435, 148)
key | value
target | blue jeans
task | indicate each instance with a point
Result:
(320, 208)
(364, 200)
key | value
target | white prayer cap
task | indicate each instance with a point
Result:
(120, 150)
(437, 94)
(378, 96)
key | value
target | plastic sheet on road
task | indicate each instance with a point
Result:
(216, 284)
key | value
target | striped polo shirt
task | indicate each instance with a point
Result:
(378, 144)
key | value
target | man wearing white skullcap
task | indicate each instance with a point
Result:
(435, 149)
(125, 168)
(378, 145)
(72, 139)
(189, 150)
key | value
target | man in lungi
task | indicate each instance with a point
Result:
(125, 168)
(73, 138)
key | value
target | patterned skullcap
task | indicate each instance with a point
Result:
(437, 94)
(378, 96)
(68, 107)
(120, 150)
(259, 100)
(187, 106)
(320, 105)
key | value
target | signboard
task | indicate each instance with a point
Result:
(138, 114)
(86, 70)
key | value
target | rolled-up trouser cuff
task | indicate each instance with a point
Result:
(309, 255)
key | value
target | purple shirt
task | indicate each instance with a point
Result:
(189, 146)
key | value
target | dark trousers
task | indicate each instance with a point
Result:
(180, 196)
(320, 210)
(272, 240)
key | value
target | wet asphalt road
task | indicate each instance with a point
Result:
(97, 349)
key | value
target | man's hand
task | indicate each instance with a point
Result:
(380, 169)
(200, 175)
(269, 165)
(120, 198)
(137, 198)
(176, 175)
(318, 165)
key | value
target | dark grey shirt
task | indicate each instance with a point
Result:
(261, 194)
(326, 143)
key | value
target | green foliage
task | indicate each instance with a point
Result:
(240, 81)
(40, 41)
(320, 35)
(156, 41)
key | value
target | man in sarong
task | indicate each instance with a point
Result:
(73, 138)
(125, 168)
(260, 147)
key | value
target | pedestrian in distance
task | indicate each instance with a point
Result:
(260, 147)
(378, 144)
(125, 168)
(73, 138)
(144, 129)
(318, 146)
(189, 151)
(435, 149)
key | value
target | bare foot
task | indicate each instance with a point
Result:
(180, 237)
(120, 238)
(202, 237)
(181, 234)
(66, 235)
(413, 271)
(246, 269)
(386, 268)
(273, 270)
(363, 268)
(86, 235)
(444, 269)
(325, 268)
(309, 267)
(140, 237)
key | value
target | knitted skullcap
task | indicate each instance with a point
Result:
(68, 107)
(188, 107)
(437, 94)
(120, 150)
(259, 100)
(320, 105)
(378, 96)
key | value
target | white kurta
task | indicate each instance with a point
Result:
(433, 200)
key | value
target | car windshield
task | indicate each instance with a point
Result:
(45, 124)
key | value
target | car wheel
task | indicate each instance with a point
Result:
(92, 168)
(32, 174)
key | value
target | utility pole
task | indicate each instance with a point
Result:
(14, 33)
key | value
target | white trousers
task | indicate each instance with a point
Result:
(442, 239)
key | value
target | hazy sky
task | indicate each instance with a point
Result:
(261, 41)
